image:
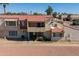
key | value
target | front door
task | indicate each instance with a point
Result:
(32, 35)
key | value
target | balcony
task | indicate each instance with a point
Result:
(36, 29)
(23, 24)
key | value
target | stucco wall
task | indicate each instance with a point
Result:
(74, 34)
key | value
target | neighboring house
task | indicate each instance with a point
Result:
(55, 28)
(71, 28)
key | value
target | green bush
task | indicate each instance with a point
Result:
(46, 39)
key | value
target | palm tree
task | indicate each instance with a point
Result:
(4, 6)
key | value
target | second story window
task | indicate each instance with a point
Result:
(36, 24)
(40, 24)
(10, 23)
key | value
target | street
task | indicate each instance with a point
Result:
(44, 50)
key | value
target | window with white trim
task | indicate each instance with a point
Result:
(10, 23)
(12, 33)
(57, 34)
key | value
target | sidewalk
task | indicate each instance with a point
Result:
(36, 43)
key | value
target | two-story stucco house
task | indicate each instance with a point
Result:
(29, 27)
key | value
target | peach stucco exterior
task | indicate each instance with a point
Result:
(30, 18)
(29, 32)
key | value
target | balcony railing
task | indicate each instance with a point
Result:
(36, 29)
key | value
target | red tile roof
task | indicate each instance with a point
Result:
(56, 29)
(72, 16)
(28, 17)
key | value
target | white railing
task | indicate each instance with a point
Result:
(36, 29)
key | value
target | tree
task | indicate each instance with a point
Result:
(4, 6)
(55, 14)
(49, 10)
(20, 13)
(64, 13)
(35, 13)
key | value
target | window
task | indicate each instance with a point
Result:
(11, 23)
(40, 33)
(32, 24)
(57, 35)
(40, 24)
(76, 22)
(54, 35)
(12, 33)
(36, 24)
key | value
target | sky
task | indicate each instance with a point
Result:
(41, 7)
